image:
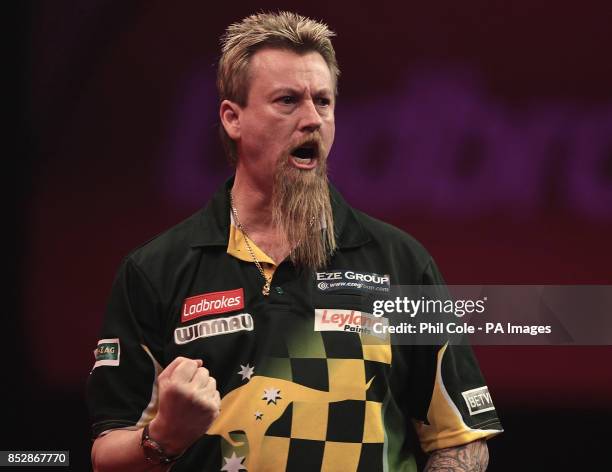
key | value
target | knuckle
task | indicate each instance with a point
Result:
(213, 407)
(195, 396)
(203, 404)
(173, 388)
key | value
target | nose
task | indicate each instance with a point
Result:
(311, 119)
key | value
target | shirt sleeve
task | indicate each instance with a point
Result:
(121, 388)
(460, 409)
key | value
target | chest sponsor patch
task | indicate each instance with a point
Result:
(108, 352)
(478, 400)
(214, 327)
(351, 279)
(348, 321)
(212, 303)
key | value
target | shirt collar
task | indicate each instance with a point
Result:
(237, 246)
(213, 226)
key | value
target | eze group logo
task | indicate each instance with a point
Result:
(350, 279)
(212, 303)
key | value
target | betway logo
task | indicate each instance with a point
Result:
(212, 304)
(351, 321)
(478, 400)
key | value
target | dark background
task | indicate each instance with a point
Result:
(483, 128)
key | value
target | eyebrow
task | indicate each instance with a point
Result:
(294, 91)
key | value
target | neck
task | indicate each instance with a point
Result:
(253, 202)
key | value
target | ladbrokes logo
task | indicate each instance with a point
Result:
(350, 321)
(212, 304)
(205, 329)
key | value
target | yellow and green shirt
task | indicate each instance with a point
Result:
(299, 392)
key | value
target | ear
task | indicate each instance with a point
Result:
(229, 113)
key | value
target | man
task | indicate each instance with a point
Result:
(217, 352)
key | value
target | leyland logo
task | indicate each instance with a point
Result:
(349, 321)
(108, 352)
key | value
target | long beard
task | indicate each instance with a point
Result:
(301, 211)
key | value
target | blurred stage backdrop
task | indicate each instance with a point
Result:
(482, 128)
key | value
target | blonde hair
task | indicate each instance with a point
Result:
(282, 30)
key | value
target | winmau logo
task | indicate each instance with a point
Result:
(205, 329)
(478, 400)
(212, 303)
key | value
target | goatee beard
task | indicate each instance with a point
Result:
(301, 211)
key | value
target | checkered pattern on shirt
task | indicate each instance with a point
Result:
(345, 435)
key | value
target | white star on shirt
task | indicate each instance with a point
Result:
(271, 395)
(258, 415)
(246, 371)
(233, 464)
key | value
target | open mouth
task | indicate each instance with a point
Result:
(305, 155)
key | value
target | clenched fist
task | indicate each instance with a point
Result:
(188, 404)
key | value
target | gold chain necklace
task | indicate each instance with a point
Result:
(266, 288)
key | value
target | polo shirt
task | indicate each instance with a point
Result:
(299, 392)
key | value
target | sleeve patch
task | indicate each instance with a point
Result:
(108, 352)
(478, 400)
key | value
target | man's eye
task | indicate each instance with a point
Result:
(287, 100)
(324, 101)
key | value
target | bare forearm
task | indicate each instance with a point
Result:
(471, 457)
(186, 390)
(120, 451)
